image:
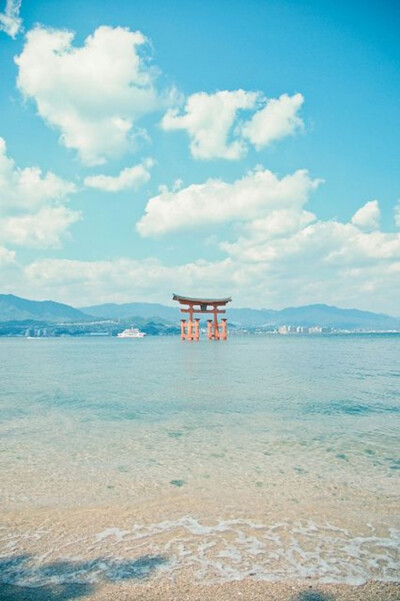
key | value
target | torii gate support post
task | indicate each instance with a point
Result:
(183, 329)
(216, 328)
(224, 331)
(190, 323)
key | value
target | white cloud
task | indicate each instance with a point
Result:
(290, 257)
(209, 119)
(10, 21)
(28, 188)
(119, 280)
(29, 205)
(276, 120)
(44, 229)
(10, 271)
(318, 246)
(284, 256)
(397, 214)
(131, 177)
(93, 94)
(368, 217)
(320, 262)
(6, 256)
(278, 223)
(216, 201)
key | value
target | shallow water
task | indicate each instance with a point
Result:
(270, 456)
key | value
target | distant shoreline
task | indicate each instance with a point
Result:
(234, 333)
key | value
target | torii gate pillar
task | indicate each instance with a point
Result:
(190, 330)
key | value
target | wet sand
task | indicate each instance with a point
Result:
(108, 553)
(245, 591)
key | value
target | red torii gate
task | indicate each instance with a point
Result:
(191, 330)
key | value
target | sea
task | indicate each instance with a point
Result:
(268, 457)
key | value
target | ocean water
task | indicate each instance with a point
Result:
(265, 457)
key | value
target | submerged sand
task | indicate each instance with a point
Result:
(279, 478)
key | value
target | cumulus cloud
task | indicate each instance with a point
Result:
(283, 255)
(278, 223)
(323, 243)
(131, 177)
(290, 254)
(368, 217)
(397, 214)
(215, 131)
(6, 256)
(93, 94)
(10, 272)
(44, 229)
(30, 209)
(120, 280)
(10, 21)
(28, 188)
(315, 261)
(216, 201)
(208, 119)
(276, 120)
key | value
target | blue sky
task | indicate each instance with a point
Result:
(243, 148)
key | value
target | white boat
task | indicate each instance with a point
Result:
(131, 333)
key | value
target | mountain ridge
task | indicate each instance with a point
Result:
(14, 308)
(306, 315)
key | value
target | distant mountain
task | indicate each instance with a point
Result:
(252, 317)
(312, 315)
(133, 310)
(333, 317)
(14, 308)
(309, 315)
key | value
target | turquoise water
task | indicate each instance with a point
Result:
(275, 456)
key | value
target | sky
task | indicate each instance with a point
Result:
(205, 148)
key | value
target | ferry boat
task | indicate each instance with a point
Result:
(131, 333)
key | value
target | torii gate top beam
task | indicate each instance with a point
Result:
(202, 302)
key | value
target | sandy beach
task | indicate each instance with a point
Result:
(185, 591)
